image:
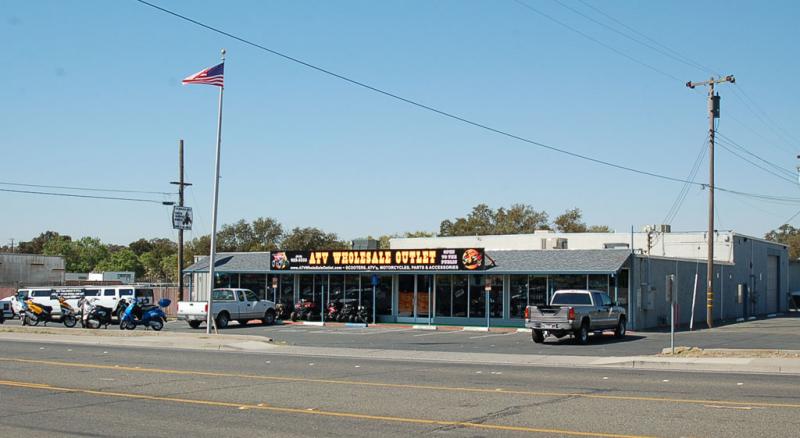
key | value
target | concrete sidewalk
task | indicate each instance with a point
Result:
(264, 345)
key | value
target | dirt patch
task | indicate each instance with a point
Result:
(725, 352)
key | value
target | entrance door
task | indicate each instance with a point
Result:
(772, 284)
(424, 298)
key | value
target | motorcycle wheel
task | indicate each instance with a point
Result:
(33, 321)
(69, 320)
(293, 316)
(93, 323)
(157, 324)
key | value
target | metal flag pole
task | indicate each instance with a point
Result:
(213, 253)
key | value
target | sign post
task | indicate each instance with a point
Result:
(488, 288)
(375, 282)
(275, 290)
(671, 298)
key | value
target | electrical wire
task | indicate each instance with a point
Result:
(743, 158)
(676, 205)
(596, 41)
(91, 189)
(731, 142)
(456, 117)
(72, 195)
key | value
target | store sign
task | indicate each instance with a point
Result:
(182, 218)
(448, 259)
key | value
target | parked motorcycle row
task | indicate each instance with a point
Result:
(305, 310)
(131, 314)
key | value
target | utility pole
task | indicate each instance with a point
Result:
(12, 246)
(713, 113)
(181, 184)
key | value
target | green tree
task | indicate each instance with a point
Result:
(599, 229)
(303, 239)
(63, 246)
(570, 222)
(482, 220)
(263, 234)
(140, 246)
(36, 245)
(789, 236)
(122, 260)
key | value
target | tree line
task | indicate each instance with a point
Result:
(156, 259)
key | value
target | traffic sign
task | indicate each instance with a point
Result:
(182, 218)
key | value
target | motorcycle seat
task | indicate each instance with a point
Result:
(149, 307)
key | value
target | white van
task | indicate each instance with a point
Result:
(109, 296)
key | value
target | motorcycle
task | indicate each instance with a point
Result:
(304, 309)
(68, 313)
(36, 313)
(333, 311)
(347, 314)
(92, 315)
(149, 315)
(364, 315)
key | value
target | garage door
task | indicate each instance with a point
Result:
(772, 284)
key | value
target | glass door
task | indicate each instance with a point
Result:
(423, 299)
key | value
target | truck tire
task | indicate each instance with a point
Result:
(269, 317)
(582, 334)
(537, 336)
(621, 328)
(222, 320)
(195, 324)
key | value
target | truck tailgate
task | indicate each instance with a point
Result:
(191, 308)
(548, 314)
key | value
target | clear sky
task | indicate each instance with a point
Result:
(91, 97)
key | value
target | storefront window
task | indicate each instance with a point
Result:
(336, 288)
(286, 290)
(496, 297)
(598, 282)
(519, 295)
(623, 278)
(460, 295)
(256, 283)
(424, 298)
(224, 279)
(307, 291)
(567, 281)
(352, 286)
(537, 290)
(444, 295)
(405, 298)
(383, 298)
(477, 297)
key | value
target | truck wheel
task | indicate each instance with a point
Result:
(222, 320)
(621, 328)
(269, 317)
(582, 335)
(194, 324)
(537, 336)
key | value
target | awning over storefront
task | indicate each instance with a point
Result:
(600, 261)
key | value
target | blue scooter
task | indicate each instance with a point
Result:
(148, 315)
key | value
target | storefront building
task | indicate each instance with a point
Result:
(480, 280)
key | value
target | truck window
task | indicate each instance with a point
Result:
(222, 295)
(109, 293)
(240, 295)
(91, 293)
(125, 292)
(251, 296)
(42, 293)
(22, 295)
(572, 298)
(606, 300)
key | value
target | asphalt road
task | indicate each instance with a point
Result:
(773, 333)
(70, 390)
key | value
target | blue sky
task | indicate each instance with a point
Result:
(92, 97)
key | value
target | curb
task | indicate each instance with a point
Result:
(316, 323)
(425, 327)
(476, 329)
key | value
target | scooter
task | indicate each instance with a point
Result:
(148, 315)
(92, 315)
(333, 311)
(68, 313)
(36, 313)
(348, 313)
(364, 315)
(281, 311)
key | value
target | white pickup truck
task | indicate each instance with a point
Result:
(228, 304)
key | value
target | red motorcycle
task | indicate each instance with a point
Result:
(304, 310)
(333, 311)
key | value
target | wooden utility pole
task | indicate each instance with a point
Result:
(713, 113)
(181, 184)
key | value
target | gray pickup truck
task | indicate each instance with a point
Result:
(228, 304)
(577, 313)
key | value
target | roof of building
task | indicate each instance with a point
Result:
(600, 261)
(584, 261)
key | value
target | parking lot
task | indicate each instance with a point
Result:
(773, 333)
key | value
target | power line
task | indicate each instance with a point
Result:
(84, 188)
(459, 118)
(71, 195)
(777, 167)
(743, 158)
(596, 41)
(676, 205)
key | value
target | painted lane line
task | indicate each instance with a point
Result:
(494, 334)
(117, 368)
(437, 333)
(312, 411)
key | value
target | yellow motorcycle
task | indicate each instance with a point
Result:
(69, 316)
(36, 313)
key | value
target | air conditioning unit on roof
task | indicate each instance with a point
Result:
(554, 243)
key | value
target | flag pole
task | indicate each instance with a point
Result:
(213, 252)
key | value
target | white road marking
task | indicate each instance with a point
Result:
(438, 333)
(494, 334)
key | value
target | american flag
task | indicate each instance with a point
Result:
(209, 76)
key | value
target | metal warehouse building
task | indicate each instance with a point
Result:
(446, 280)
